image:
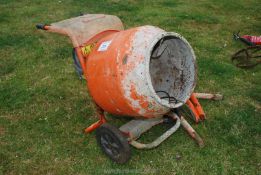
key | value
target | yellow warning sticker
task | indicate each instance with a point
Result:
(86, 50)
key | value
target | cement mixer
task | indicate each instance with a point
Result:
(144, 72)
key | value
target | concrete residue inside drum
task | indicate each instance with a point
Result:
(172, 70)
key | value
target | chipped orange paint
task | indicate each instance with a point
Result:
(141, 99)
(113, 73)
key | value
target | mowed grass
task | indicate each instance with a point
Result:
(44, 107)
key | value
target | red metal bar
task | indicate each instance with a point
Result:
(95, 125)
(193, 110)
(98, 123)
(198, 107)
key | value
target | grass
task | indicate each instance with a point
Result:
(44, 107)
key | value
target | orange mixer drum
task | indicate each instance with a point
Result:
(141, 72)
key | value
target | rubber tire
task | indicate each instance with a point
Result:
(124, 147)
(77, 64)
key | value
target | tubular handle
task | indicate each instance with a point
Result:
(41, 26)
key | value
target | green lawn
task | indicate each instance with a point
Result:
(44, 107)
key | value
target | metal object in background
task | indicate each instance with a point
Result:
(248, 39)
(248, 57)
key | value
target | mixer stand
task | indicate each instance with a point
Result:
(115, 142)
(135, 128)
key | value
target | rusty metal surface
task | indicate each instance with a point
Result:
(136, 127)
(191, 132)
(160, 139)
(135, 80)
(209, 96)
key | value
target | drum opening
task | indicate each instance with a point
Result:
(172, 70)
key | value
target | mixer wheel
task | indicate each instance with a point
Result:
(113, 143)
